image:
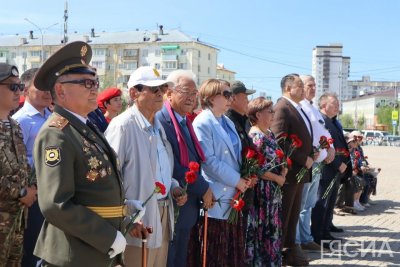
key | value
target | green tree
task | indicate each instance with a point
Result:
(361, 122)
(385, 116)
(346, 120)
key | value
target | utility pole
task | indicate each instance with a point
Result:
(65, 39)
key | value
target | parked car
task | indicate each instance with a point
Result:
(375, 137)
(392, 140)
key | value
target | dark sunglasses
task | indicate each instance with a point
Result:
(14, 87)
(226, 94)
(88, 83)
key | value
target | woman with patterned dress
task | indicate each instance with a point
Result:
(264, 230)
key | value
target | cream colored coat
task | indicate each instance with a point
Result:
(137, 151)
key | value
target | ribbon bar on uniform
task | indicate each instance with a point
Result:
(109, 212)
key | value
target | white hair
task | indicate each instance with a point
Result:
(176, 75)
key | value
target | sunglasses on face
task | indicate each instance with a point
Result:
(88, 83)
(14, 87)
(226, 94)
(154, 89)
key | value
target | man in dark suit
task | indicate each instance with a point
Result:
(180, 100)
(291, 119)
(322, 213)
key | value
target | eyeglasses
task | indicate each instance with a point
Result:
(14, 87)
(226, 94)
(270, 111)
(88, 83)
(187, 94)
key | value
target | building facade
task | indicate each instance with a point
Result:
(117, 54)
(367, 106)
(365, 86)
(225, 74)
(331, 70)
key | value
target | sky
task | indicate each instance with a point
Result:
(261, 40)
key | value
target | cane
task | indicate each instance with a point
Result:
(144, 247)
(205, 237)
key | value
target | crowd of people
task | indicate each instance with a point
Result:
(165, 182)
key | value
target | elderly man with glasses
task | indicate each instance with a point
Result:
(146, 158)
(81, 193)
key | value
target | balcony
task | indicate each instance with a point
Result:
(169, 57)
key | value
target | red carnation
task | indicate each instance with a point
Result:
(160, 188)
(323, 139)
(297, 143)
(357, 154)
(283, 135)
(289, 162)
(330, 141)
(238, 204)
(194, 166)
(279, 153)
(260, 159)
(251, 153)
(190, 177)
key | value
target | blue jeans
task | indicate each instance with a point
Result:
(308, 200)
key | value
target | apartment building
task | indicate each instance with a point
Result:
(331, 70)
(117, 54)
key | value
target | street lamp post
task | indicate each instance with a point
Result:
(41, 34)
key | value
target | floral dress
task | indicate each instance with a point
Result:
(264, 230)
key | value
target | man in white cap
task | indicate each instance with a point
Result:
(146, 157)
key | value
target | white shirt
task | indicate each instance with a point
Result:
(318, 125)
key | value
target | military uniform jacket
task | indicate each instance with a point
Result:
(14, 169)
(76, 168)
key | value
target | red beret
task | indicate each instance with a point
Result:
(106, 95)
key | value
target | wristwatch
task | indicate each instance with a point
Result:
(23, 192)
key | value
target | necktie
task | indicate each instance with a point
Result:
(309, 123)
(185, 129)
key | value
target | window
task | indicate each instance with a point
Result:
(111, 66)
(130, 53)
(130, 65)
(208, 70)
(169, 65)
(157, 52)
(35, 53)
(99, 51)
(183, 66)
(199, 54)
(198, 68)
(13, 55)
(183, 52)
(145, 53)
(98, 64)
(209, 56)
(3, 54)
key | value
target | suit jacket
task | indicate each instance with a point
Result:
(75, 168)
(136, 147)
(222, 167)
(188, 213)
(330, 170)
(288, 120)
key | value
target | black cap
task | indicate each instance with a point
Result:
(7, 70)
(72, 58)
(238, 87)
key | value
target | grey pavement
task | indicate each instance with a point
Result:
(372, 237)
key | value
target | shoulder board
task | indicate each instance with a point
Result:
(58, 121)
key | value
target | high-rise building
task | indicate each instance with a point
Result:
(117, 54)
(331, 70)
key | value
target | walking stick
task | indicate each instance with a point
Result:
(205, 237)
(144, 248)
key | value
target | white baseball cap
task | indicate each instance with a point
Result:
(147, 76)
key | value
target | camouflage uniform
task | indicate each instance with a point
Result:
(14, 172)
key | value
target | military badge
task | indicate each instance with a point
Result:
(103, 173)
(92, 175)
(94, 163)
(84, 50)
(52, 156)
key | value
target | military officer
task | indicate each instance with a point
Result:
(16, 191)
(80, 190)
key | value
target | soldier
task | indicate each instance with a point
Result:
(16, 192)
(81, 194)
